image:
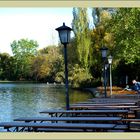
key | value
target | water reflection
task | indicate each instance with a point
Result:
(26, 100)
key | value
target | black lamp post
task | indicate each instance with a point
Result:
(64, 35)
(110, 63)
(104, 55)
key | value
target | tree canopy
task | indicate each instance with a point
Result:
(124, 25)
(23, 51)
(116, 28)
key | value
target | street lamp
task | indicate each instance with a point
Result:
(110, 63)
(104, 55)
(64, 35)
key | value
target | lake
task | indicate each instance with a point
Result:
(28, 99)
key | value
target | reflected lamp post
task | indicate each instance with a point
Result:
(104, 55)
(64, 35)
(110, 71)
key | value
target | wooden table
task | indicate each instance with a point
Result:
(108, 112)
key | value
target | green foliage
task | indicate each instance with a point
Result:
(5, 61)
(24, 47)
(47, 64)
(100, 37)
(60, 77)
(125, 28)
(78, 75)
(36, 67)
(23, 50)
(80, 26)
(72, 52)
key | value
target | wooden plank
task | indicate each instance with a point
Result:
(90, 102)
(87, 119)
(102, 107)
(131, 120)
(84, 126)
(121, 127)
(112, 100)
(108, 111)
(59, 130)
(85, 112)
(103, 104)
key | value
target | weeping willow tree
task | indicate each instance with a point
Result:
(81, 30)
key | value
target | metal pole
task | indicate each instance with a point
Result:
(110, 81)
(66, 77)
(105, 80)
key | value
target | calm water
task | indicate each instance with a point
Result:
(27, 100)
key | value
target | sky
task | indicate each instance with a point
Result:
(33, 23)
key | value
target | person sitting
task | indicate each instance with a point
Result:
(127, 88)
(136, 86)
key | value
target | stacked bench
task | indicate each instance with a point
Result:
(73, 123)
(97, 115)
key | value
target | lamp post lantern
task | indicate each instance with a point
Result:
(64, 35)
(104, 55)
(110, 63)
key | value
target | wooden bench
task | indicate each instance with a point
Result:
(21, 126)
